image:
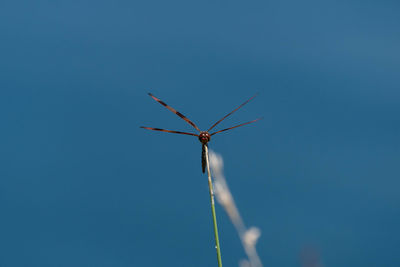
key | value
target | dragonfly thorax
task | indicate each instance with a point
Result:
(204, 137)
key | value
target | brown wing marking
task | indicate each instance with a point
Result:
(236, 126)
(174, 111)
(167, 131)
(215, 124)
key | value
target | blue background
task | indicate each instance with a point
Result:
(82, 185)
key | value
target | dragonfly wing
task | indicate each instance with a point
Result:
(247, 101)
(167, 131)
(236, 126)
(175, 111)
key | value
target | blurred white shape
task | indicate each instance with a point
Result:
(249, 236)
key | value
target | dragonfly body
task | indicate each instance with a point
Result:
(203, 136)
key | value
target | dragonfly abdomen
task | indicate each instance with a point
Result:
(203, 158)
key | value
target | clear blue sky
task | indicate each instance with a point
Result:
(82, 185)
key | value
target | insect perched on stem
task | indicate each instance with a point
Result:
(204, 136)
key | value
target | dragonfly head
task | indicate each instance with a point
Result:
(204, 137)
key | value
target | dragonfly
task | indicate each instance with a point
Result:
(203, 136)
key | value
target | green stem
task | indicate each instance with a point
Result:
(210, 186)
